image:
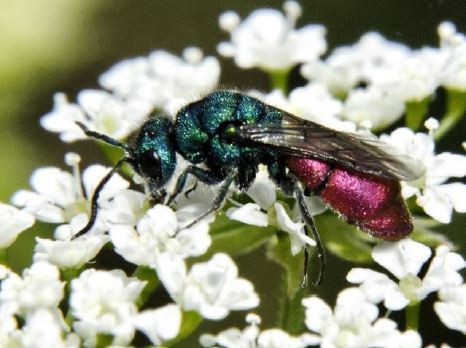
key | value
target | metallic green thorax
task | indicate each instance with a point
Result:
(204, 130)
(154, 151)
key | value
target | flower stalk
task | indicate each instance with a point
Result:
(412, 316)
(456, 108)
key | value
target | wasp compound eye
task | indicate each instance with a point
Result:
(149, 164)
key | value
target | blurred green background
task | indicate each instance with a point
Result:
(49, 46)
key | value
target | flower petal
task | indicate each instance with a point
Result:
(250, 214)
(402, 257)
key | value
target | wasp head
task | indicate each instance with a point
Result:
(154, 155)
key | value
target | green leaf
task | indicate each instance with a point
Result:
(344, 240)
(233, 237)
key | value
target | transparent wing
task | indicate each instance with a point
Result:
(297, 137)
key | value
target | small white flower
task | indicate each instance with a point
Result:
(162, 78)
(127, 207)
(453, 45)
(352, 323)
(414, 78)
(374, 105)
(110, 115)
(69, 254)
(298, 238)
(44, 329)
(60, 197)
(314, 103)
(159, 324)
(268, 39)
(250, 214)
(39, 287)
(12, 222)
(263, 190)
(404, 260)
(251, 337)
(451, 308)
(8, 332)
(103, 302)
(348, 66)
(99, 111)
(436, 198)
(156, 233)
(62, 119)
(211, 288)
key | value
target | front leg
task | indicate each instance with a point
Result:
(206, 176)
(222, 192)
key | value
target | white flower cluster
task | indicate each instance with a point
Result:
(104, 302)
(252, 337)
(355, 321)
(135, 88)
(76, 303)
(393, 74)
(268, 39)
(433, 194)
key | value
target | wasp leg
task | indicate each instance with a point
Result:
(191, 189)
(309, 221)
(203, 175)
(95, 197)
(222, 192)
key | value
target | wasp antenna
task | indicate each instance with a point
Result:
(95, 197)
(104, 138)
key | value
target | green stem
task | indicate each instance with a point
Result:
(412, 316)
(456, 106)
(292, 312)
(191, 321)
(3, 257)
(68, 275)
(103, 340)
(416, 112)
(279, 80)
(146, 274)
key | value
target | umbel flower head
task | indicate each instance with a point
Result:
(404, 260)
(268, 39)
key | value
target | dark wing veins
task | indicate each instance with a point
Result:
(363, 153)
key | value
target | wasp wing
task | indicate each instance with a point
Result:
(361, 153)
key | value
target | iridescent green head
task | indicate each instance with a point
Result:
(154, 152)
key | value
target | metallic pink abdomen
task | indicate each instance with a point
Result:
(372, 203)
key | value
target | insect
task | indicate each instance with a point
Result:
(231, 133)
